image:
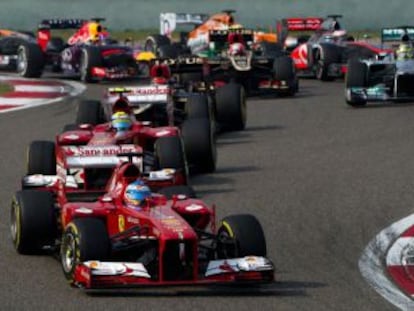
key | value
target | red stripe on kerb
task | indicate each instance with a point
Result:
(402, 278)
(5, 107)
(33, 82)
(409, 232)
(34, 94)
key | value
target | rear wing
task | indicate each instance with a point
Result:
(222, 36)
(292, 24)
(395, 34)
(99, 156)
(140, 94)
(302, 23)
(181, 64)
(169, 21)
(71, 23)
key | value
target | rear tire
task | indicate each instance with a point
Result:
(41, 158)
(168, 51)
(325, 56)
(200, 145)
(356, 76)
(90, 58)
(284, 70)
(90, 112)
(169, 153)
(83, 239)
(198, 107)
(239, 236)
(231, 107)
(33, 221)
(154, 42)
(30, 60)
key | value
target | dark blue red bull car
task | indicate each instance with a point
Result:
(89, 53)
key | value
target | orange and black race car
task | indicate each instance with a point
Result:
(198, 27)
(89, 53)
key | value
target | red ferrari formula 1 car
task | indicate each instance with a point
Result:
(325, 54)
(130, 237)
(84, 155)
(89, 53)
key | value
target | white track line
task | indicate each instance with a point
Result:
(40, 88)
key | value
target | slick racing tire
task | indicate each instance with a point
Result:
(200, 145)
(284, 70)
(33, 221)
(90, 57)
(169, 153)
(271, 49)
(41, 158)
(30, 60)
(356, 76)
(83, 239)
(154, 42)
(231, 112)
(198, 106)
(90, 112)
(239, 236)
(169, 192)
(325, 55)
(168, 51)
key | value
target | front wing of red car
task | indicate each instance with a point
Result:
(107, 275)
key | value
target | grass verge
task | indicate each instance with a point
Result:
(5, 88)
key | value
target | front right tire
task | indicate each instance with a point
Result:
(90, 57)
(239, 236)
(356, 77)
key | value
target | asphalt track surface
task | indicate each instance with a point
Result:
(322, 178)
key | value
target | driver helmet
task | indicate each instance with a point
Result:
(236, 49)
(121, 121)
(235, 26)
(339, 35)
(160, 74)
(405, 51)
(136, 194)
(95, 31)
